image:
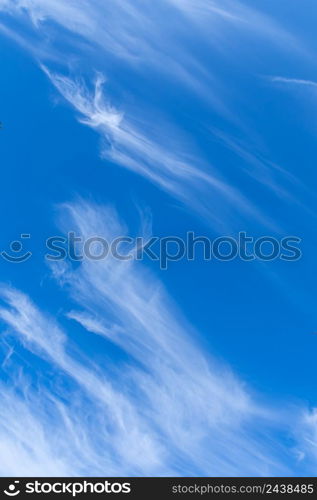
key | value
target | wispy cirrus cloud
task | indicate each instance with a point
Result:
(116, 418)
(26, 431)
(201, 187)
(190, 397)
(166, 408)
(130, 32)
(119, 423)
(267, 173)
(130, 29)
(293, 81)
(240, 15)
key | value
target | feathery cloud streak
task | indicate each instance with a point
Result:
(204, 191)
(130, 31)
(293, 81)
(168, 410)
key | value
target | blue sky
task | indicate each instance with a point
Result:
(158, 118)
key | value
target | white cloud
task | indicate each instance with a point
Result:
(130, 29)
(170, 409)
(121, 428)
(305, 433)
(267, 173)
(200, 187)
(166, 409)
(293, 81)
(126, 30)
(130, 32)
(240, 15)
(163, 407)
(199, 407)
(310, 438)
(27, 447)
